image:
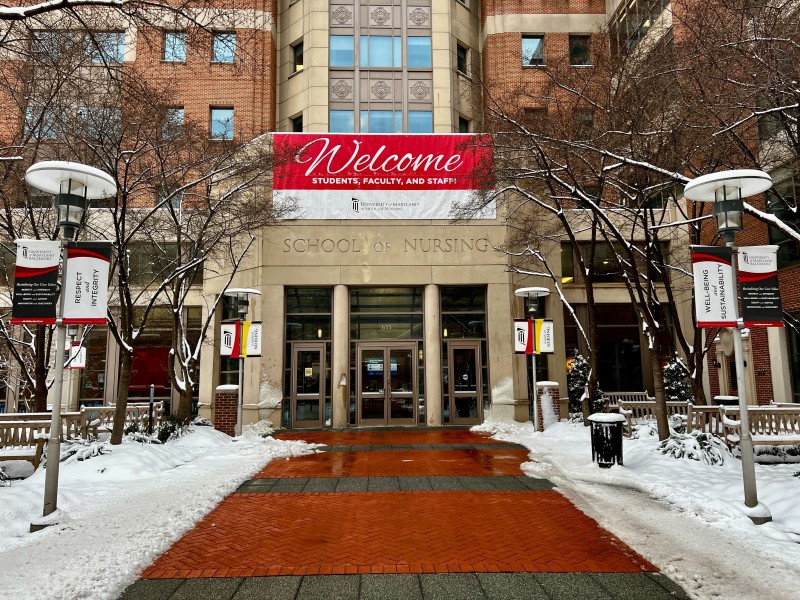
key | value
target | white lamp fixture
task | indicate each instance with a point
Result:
(533, 293)
(726, 190)
(72, 184)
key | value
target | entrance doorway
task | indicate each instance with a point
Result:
(308, 384)
(386, 383)
(464, 382)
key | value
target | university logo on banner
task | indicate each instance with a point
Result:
(523, 336)
(85, 286)
(761, 297)
(381, 176)
(36, 282)
(229, 339)
(714, 290)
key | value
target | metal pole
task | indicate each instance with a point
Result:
(150, 410)
(534, 409)
(745, 439)
(238, 430)
(54, 443)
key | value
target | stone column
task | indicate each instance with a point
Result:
(504, 386)
(433, 355)
(340, 358)
(263, 377)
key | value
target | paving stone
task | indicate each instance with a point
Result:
(446, 586)
(475, 483)
(272, 588)
(443, 484)
(414, 484)
(534, 483)
(508, 484)
(572, 586)
(511, 586)
(208, 588)
(151, 589)
(665, 582)
(328, 587)
(383, 484)
(390, 587)
(320, 485)
(352, 484)
(634, 586)
(289, 485)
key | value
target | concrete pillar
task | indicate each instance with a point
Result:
(263, 380)
(433, 355)
(505, 407)
(340, 358)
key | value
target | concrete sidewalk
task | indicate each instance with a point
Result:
(413, 513)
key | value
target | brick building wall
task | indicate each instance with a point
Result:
(225, 411)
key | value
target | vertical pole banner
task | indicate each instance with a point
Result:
(228, 339)
(36, 282)
(761, 295)
(523, 336)
(714, 289)
(86, 283)
(545, 340)
(253, 339)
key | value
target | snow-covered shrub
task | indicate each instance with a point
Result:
(644, 430)
(697, 445)
(676, 381)
(577, 378)
(170, 428)
(4, 479)
(80, 449)
(202, 422)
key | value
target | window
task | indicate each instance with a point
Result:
(223, 47)
(461, 59)
(579, 50)
(381, 121)
(532, 50)
(463, 125)
(420, 121)
(380, 51)
(297, 57)
(174, 46)
(782, 202)
(341, 121)
(342, 52)
(172, 127)
(222, 123)
(100, 122)
(297, 123)
(48, 45)
(419, 52)
(584, 123)
(105, 46)
(534, 118)
(45, 123)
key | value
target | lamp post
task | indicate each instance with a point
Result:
(241, 298)
(727, 190)
(73, 185)
(533, 293)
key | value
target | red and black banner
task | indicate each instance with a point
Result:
(36, 282)
(714, 288)
(761, 297)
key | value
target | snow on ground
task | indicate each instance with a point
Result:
(121, 510)
(684, 516)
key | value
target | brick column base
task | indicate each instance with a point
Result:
(547, 396)
(225, 410)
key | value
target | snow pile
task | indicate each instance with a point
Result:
(685, 515)
(121, 510)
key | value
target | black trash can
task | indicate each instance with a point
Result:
(606, 438)
(726, 400)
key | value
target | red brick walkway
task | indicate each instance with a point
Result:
(255, 534)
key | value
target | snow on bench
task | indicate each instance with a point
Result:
(769, 425)
(23, 440)
(645, 410)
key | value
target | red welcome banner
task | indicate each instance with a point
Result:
(378, 176)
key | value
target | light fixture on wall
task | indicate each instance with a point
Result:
(319, 333)
(444, 332)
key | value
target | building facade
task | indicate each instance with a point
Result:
(396, 321)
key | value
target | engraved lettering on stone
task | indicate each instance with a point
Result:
(418, 16)
(380, 16)
(381, 90)
(420, 91)
(342, 16)
(342, 89)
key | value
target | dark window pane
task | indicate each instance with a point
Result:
(308, 300)
(579, 50)
(386, 300)
(463, 299)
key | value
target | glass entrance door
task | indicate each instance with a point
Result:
(308, 384)
(387, 384)
(464, 382)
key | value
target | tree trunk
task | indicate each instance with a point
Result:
(592, 383)
(122, 397)
(184, 409)
(657, 368)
